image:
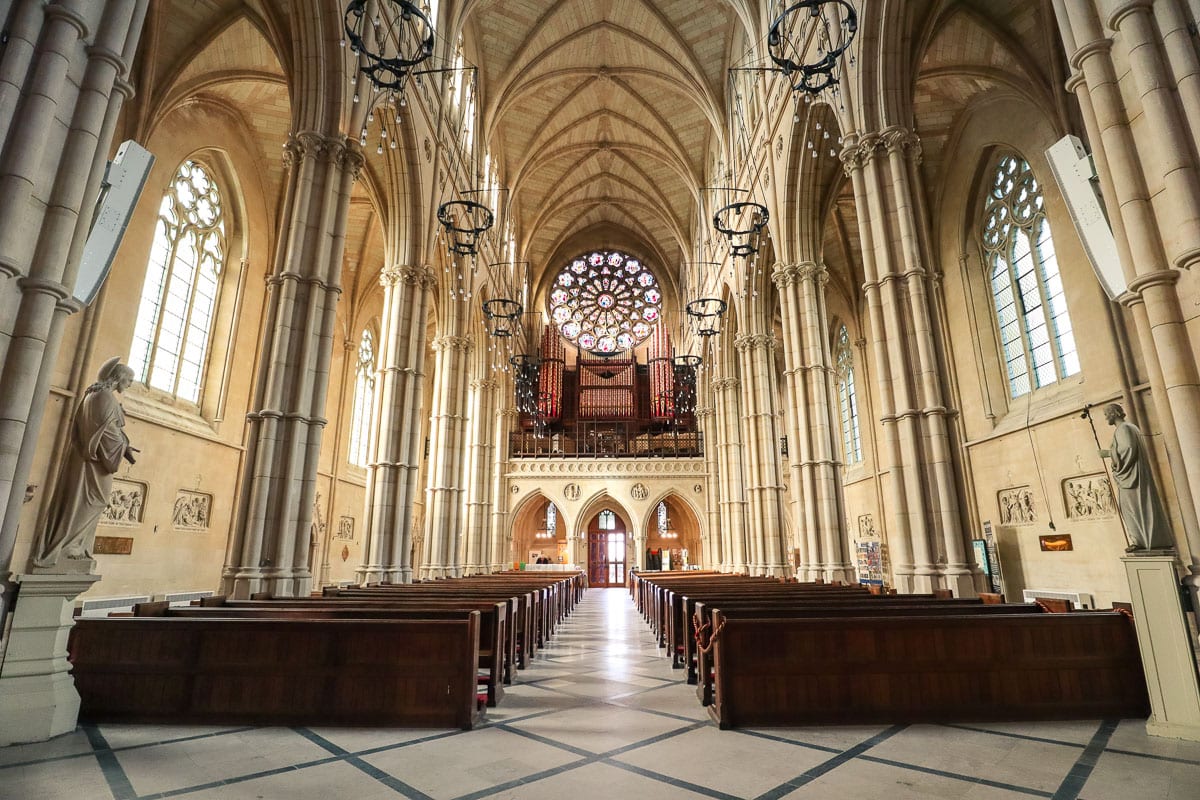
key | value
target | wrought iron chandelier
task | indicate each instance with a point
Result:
(742, 225)
(684, 383)
(501, 317)
(704, 315)
(807, 41)
(465, 221)
(390, 45)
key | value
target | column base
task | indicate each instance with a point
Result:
(242, 583)
(961, 582)
(1165, 643)
(839, 572)
(38, 700)
(382, 574)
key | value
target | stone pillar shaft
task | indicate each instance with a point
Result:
(761, 437)
(729, 459)
(396, 430)
(1147, 237)
(62, 86)
(269, 549)
(477, 558)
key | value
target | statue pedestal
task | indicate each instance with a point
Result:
(1168, 657)
(38, 700)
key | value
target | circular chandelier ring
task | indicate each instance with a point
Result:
(379, 65)
(775, 39)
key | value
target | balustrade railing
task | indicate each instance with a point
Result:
(607, 440)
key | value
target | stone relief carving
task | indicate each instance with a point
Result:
(571, 491)
(866, 527)
(698, 489)
(1089, 497)
(639, 491)
(126, 504)
(1016, 506)
(193, 511)
(345, 528)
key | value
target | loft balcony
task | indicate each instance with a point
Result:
(606, 439)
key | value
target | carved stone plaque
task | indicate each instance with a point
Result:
(639, 491)
(193, 511)
(866, 527)
(1089, 497)
(126, 504)
(113, 545)
(345, 528)
(1016, 506)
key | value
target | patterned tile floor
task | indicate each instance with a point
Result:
(598, 714)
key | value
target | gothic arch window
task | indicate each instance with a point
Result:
(364, 399)
(175, 316)
(1036, 339)
(608, 521)
(552, 520)
(847, 397)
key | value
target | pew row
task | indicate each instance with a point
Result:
(937, 668)
(381, 672)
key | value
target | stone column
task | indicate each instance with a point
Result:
(477, 557)
(855, 157)
(62, 84)
(714, 555)
(500, 539)
(444, 515)
(764, 486)
(269, 549)
(729, 468)
(1136, 163)
(809, 379)
(396, 449)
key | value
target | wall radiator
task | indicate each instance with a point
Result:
(185, 598)
(103, 606)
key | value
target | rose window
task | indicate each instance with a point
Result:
(605, 303)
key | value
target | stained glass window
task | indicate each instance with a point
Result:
(1036, 338)
(605, 302)
(179, 298)
(847, 398)
(663, 522)
(364, 399)
(608, 521)
(552, 520)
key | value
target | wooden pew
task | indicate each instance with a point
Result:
(492, 622)
(385, 672)
(942, 668)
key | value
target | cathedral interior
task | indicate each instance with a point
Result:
(416, 292)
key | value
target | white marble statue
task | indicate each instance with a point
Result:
(98, 444)
(1146, 522)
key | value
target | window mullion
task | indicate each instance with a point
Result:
(1019, 301)
(187, 321)
(168, 276)
(1035, 250)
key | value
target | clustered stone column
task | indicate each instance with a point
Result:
(1142, 65)
(809, 381)
(448, 440)
(760, 437)
(269, 550)
(477, 553)
(729, 469)
(395, 450)
(501, 541)
(714, 546)
(62, 84)
(927, 534)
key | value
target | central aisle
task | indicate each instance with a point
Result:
(600, 714)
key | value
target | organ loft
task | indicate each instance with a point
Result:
(482, 398)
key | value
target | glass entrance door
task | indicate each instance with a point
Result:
(606, 550)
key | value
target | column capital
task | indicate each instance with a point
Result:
(725, 384)
(754, 341)
(453, 343)
(784, 274)
(903, 141)
(411, 274)
(484, 383)
(813, 271)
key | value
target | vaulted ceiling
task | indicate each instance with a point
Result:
(602, 113)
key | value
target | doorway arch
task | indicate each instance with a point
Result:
(607, 549)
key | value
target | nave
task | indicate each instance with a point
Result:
(600, 713)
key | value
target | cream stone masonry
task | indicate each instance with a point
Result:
(270, 548)
(396, 428)
(1136, 79)
(63, 80)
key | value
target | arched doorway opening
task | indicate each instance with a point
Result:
(606, 549)
(672, 536)
(538, 532)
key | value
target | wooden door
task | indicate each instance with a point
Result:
(606, 550)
